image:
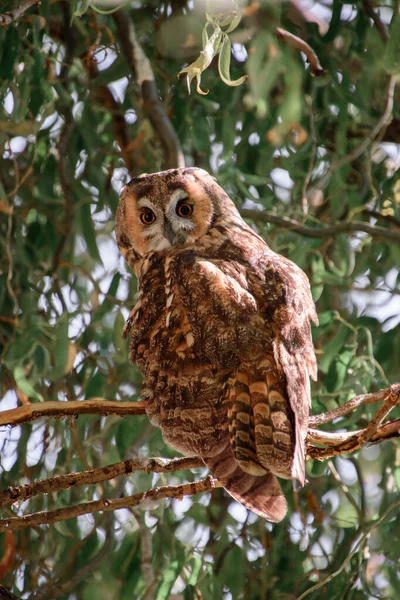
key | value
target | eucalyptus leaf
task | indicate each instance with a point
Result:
(224, 63)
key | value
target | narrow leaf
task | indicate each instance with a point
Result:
(224, 63)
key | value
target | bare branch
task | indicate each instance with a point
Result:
(152, 105)
(323, 231)
(71, 512)
(17, 11)
(385, 409)
(98, 406)
(92, 476)
(296, 42)
(351, 405)
(346, 442)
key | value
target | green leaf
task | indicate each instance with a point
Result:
(337, 372)
(195, 565)
(120, 344)
(232, 571)
(391, 58)
(24, 385)
(108, 304)
(224, 64)
(9, 50)
(235, 20)
(96, 385)
(80, 7)
(168, 579)
(333, 347)
(60, 349)
(41, 357)
(326, 318)
(89, 232)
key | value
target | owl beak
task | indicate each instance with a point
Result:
(169, 233)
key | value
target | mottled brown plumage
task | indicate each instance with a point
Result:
(221, 333)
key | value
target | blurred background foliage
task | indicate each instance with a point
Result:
(74, 127)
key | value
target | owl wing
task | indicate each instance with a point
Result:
(283, 294)
(230, 307)
(223, 317)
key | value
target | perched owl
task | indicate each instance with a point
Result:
(221, 333)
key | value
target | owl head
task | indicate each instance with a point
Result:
(171, 208)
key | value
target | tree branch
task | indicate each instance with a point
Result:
(17, 11)
(323, 231)
(71, 512)
(98, 406)
(351, 405)
(296, 42)
(152, 105)
(64, 482)
(320, 446)
(367, 5)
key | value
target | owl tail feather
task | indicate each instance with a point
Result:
(260, 494)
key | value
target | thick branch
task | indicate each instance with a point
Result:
(323, 231)
(16, 12)
(152, 105)
(98, 406)
(71, 512)
(63, 482)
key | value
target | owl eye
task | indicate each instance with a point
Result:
(147, 217)
(184, 209)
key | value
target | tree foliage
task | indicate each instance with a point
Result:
(307, 143)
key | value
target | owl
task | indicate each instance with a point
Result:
(221, 333)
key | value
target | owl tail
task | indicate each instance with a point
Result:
(260, 494)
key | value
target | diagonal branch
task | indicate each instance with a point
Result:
(351, 405)
(292, 40)
(71, 512)
(152, 105)
(17, 11)
(367, 5)
(92, 476)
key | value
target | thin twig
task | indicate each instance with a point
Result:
(310, 168)
(354, 403)
(345, 490)
(17, 11)
(92, 476)
(71, 512)
(382, 122)
(142, 70)
(356, 547)
(367, 4)
(296, 42)
(323, 231)
(379, 129)
(384, 410)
